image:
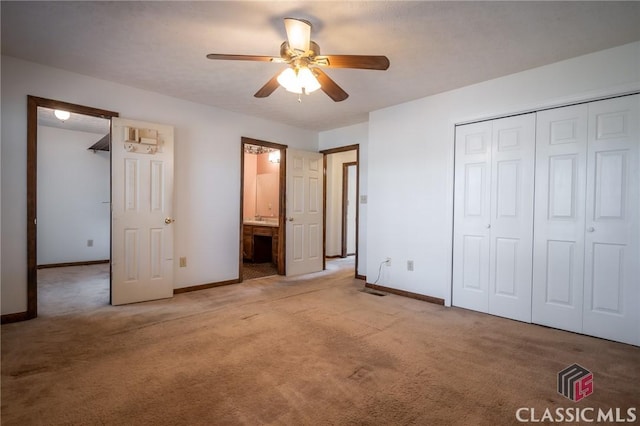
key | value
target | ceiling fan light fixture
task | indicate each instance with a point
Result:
(307, 80)
(61, 115)
(298, 81)
(289, 80)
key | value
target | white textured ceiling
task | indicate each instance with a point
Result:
(75, 122)
(432, 46)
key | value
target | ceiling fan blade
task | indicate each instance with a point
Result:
(268, 88)
(298, 33)
(241, 57)
(329, 86)
(354, 61)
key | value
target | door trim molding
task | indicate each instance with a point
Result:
(326, 152)
(33, 102)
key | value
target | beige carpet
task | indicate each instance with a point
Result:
(251, 271)
(302, 351)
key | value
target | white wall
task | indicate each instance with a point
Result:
(207, 168)
(334, 200)
(249, 191)
(73, 197)
(410, 159)
(351, 135)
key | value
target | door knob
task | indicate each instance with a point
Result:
(168, 220)
(591, 229)
(290, 219)
(488, 226)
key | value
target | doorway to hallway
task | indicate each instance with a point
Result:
(341, 182)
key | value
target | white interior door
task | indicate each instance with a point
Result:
(612, 255)
(304, 212)
(472, 224)
(351, 208)
(493, 216)
(141, 196)
(558, 266)
(512, 177)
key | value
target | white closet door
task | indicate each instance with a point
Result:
(472, 216)
(561, 165)
(612, 257)
(512, 177)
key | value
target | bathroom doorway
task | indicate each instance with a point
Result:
(262, 226)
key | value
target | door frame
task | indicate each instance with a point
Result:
(282, 205)
(326, 152)
(345, 202)
(33, 103)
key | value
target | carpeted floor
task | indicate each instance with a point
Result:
(295, 351)
(251, 271)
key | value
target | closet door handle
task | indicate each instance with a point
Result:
(488, 226)
(591, 229)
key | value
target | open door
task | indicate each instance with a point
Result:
(349, 205)
(142, 209)
(304, 212)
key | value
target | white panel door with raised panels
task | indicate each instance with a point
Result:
(472, 200)
(612, 238)
(142, 208)
(510, 256)
(304, 212)
(493, 216)
(558, 266)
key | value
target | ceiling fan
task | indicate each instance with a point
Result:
(305, 74)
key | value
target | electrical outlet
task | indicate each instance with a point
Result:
(183, 262)
(409, 265)
(89, 243)
(388, 261)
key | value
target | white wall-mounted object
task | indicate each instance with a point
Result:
(142, 140)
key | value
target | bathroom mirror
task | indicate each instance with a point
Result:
(261, 184)
(267, 195)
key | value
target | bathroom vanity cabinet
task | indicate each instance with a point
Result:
(260, 243)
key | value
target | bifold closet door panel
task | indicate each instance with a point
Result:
(612, 238)
(512, 187)
(493, 216)
(472, 216)
(558, 260)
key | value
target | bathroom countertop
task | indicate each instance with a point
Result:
(270, 223)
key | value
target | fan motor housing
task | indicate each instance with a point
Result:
(289, 54)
